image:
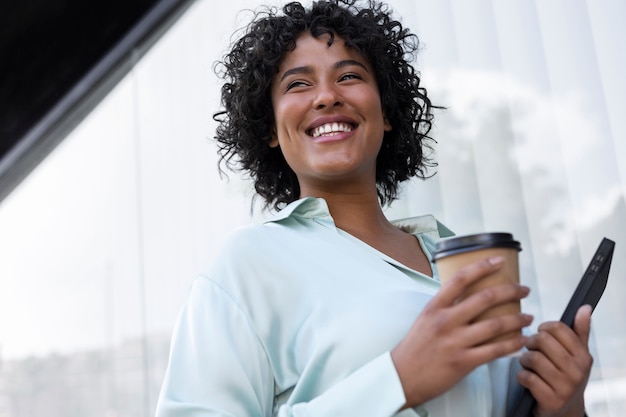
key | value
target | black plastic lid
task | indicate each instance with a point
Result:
(460, 244)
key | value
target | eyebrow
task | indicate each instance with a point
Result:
(308, 69)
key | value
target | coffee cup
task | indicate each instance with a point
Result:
(452, 254)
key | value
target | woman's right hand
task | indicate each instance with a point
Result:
(444, 344)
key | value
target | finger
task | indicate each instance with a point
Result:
(562, 340)
(566, 365)
(478, 303)
(550, 348)
(541, 391)
(551, 388)
(543, 368)
(486, 330)
(456, 286)
(488, 352)
(582, 323)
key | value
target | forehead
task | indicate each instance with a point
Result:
(310, 50)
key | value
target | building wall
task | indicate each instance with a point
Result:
(100, 244)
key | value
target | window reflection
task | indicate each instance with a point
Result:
(101, 242)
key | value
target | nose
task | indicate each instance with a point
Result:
(327, 96)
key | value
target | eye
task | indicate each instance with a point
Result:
(295, 84)
(350, 76)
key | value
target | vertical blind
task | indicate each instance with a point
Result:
(101, 242)
(533, 142)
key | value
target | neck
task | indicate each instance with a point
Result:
(359, 214)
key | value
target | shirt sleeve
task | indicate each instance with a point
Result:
(219, 367)
(372, 390)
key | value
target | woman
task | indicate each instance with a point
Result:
(330, 309)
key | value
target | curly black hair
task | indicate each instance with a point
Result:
(246, 124)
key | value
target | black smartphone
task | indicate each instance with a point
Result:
(589, 290)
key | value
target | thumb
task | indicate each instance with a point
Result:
(582, 323)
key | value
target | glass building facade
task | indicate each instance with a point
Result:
(100, 243)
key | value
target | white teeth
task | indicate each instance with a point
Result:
(331, 129)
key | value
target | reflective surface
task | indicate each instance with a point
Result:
(101, 242)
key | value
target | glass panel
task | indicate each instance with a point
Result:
(533, 94)
(101, 242)
(70, 311)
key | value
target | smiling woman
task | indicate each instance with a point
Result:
(334, 301)
(334, 148)
(100, 244)
(382, 59)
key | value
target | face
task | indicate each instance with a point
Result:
(328, 115)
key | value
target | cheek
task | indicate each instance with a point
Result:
(287, 106)
(374, 106)
(281, 119)
(289, 116)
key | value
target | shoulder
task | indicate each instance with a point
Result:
(251, 237)
(299, 221)
(244, 265)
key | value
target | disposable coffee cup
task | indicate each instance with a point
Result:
(454, 253)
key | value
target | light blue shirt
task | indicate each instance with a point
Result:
(297, 318)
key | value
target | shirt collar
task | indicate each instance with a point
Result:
(426, 224)
(313, 207)
(308, 207)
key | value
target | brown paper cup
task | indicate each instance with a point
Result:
(455, 253)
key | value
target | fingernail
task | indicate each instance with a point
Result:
(496, 260)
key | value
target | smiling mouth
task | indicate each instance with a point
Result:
(331, 129)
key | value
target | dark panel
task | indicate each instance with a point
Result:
(58, 58)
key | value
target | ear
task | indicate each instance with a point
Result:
(274, 141)
(387, 125)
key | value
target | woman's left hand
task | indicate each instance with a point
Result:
(557, 366)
